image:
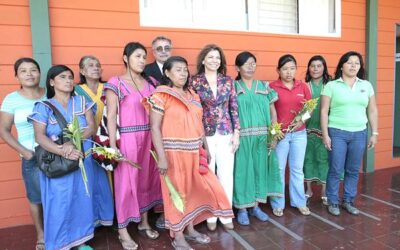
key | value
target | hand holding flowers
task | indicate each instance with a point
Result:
(274, 135)
(303, 115)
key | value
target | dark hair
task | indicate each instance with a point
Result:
(344, 59)
(285, 59)
(325, 75)
(82, 62)
(24, 60)
(168, 66)
(128, 51)
(241, 59)
(53, 73)
(161, 38)
(203, 53)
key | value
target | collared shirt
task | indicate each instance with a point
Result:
(220, 114)
(160, 66)
(348, 106)
(290, 101)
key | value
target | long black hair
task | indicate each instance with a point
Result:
(168, 66)
(128, 51)
(344, 59)
(53, 73)
(241, 59)
(325, 75)
(202, 55)
(285, 59)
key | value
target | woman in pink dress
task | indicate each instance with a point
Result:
(136, 190)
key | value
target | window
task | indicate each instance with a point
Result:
(305, 17)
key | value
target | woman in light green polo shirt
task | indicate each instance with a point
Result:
(347, 105)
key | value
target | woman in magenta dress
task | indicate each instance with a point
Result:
(136, 190)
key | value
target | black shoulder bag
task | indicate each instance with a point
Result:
(54, 165)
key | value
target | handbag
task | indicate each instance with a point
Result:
(102, 137)
(54, 165)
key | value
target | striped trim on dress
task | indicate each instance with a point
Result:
(254, 131)
(175, 144)
(136, 128)
(191, 216)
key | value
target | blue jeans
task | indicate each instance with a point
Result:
(346, 155)
(30, 174)
(293, 146)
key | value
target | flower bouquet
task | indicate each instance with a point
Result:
(274, 134)
(304, 114)
(173, 193)
(109, 157)
(274, 183)
(74, 133)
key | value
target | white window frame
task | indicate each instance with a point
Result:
(245, 10)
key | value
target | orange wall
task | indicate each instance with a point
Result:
(102, 28)
(388, 16)
(15, 42)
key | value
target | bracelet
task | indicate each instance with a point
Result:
(375, 133)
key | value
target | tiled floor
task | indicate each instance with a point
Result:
(379, 230)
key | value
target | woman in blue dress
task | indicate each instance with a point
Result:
(67, 207)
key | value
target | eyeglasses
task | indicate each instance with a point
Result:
(252, 64)
(165, 49)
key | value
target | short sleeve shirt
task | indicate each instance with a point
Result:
(348, 106)
(20, 106)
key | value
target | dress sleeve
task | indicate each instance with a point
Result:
(233, 106)
(272, 95)
(40, 114)
(156, 102)
(116, 86)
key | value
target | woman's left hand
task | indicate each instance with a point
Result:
(298, 125)
(235, 141)
(372, 141)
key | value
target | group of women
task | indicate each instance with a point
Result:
(180, 118)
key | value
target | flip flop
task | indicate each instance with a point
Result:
(200, 238)
(278, 212)
(149, 233)
(180, 247)
(128, 244)
(324, 200)
(40, 245)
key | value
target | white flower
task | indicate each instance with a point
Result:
(305, 116)
(110, 150)
(273, 132)
(70, 127)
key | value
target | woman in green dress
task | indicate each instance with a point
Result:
(316, 159)
(254, 179)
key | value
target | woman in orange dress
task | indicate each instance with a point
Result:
(177, 133)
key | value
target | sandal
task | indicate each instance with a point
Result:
(277, 212)
(200, 238)
(180, 247)
(259, 214)
(324, 200)
(128, 244)
(149, 233)
(308, 198)
(40, 245)
(304, 210)
(160, 222)
(243, 218)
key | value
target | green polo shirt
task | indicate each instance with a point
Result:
(348, 107)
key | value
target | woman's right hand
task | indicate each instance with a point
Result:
(74, 155)
(327, 142)
(28, 154)
(163, 166)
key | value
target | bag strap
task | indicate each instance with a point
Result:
(57, 114)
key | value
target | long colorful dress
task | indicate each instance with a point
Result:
(136, 190)
(103, 204)
(67, 209)
(254, 177)
(182, 133)
(316, 158)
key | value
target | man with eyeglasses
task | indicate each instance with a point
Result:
(161, 46)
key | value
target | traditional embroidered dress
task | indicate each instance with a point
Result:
(316, 158)
(67, 209)
(254, 177)
(182, 132)
(136, 190)
(103, 204)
